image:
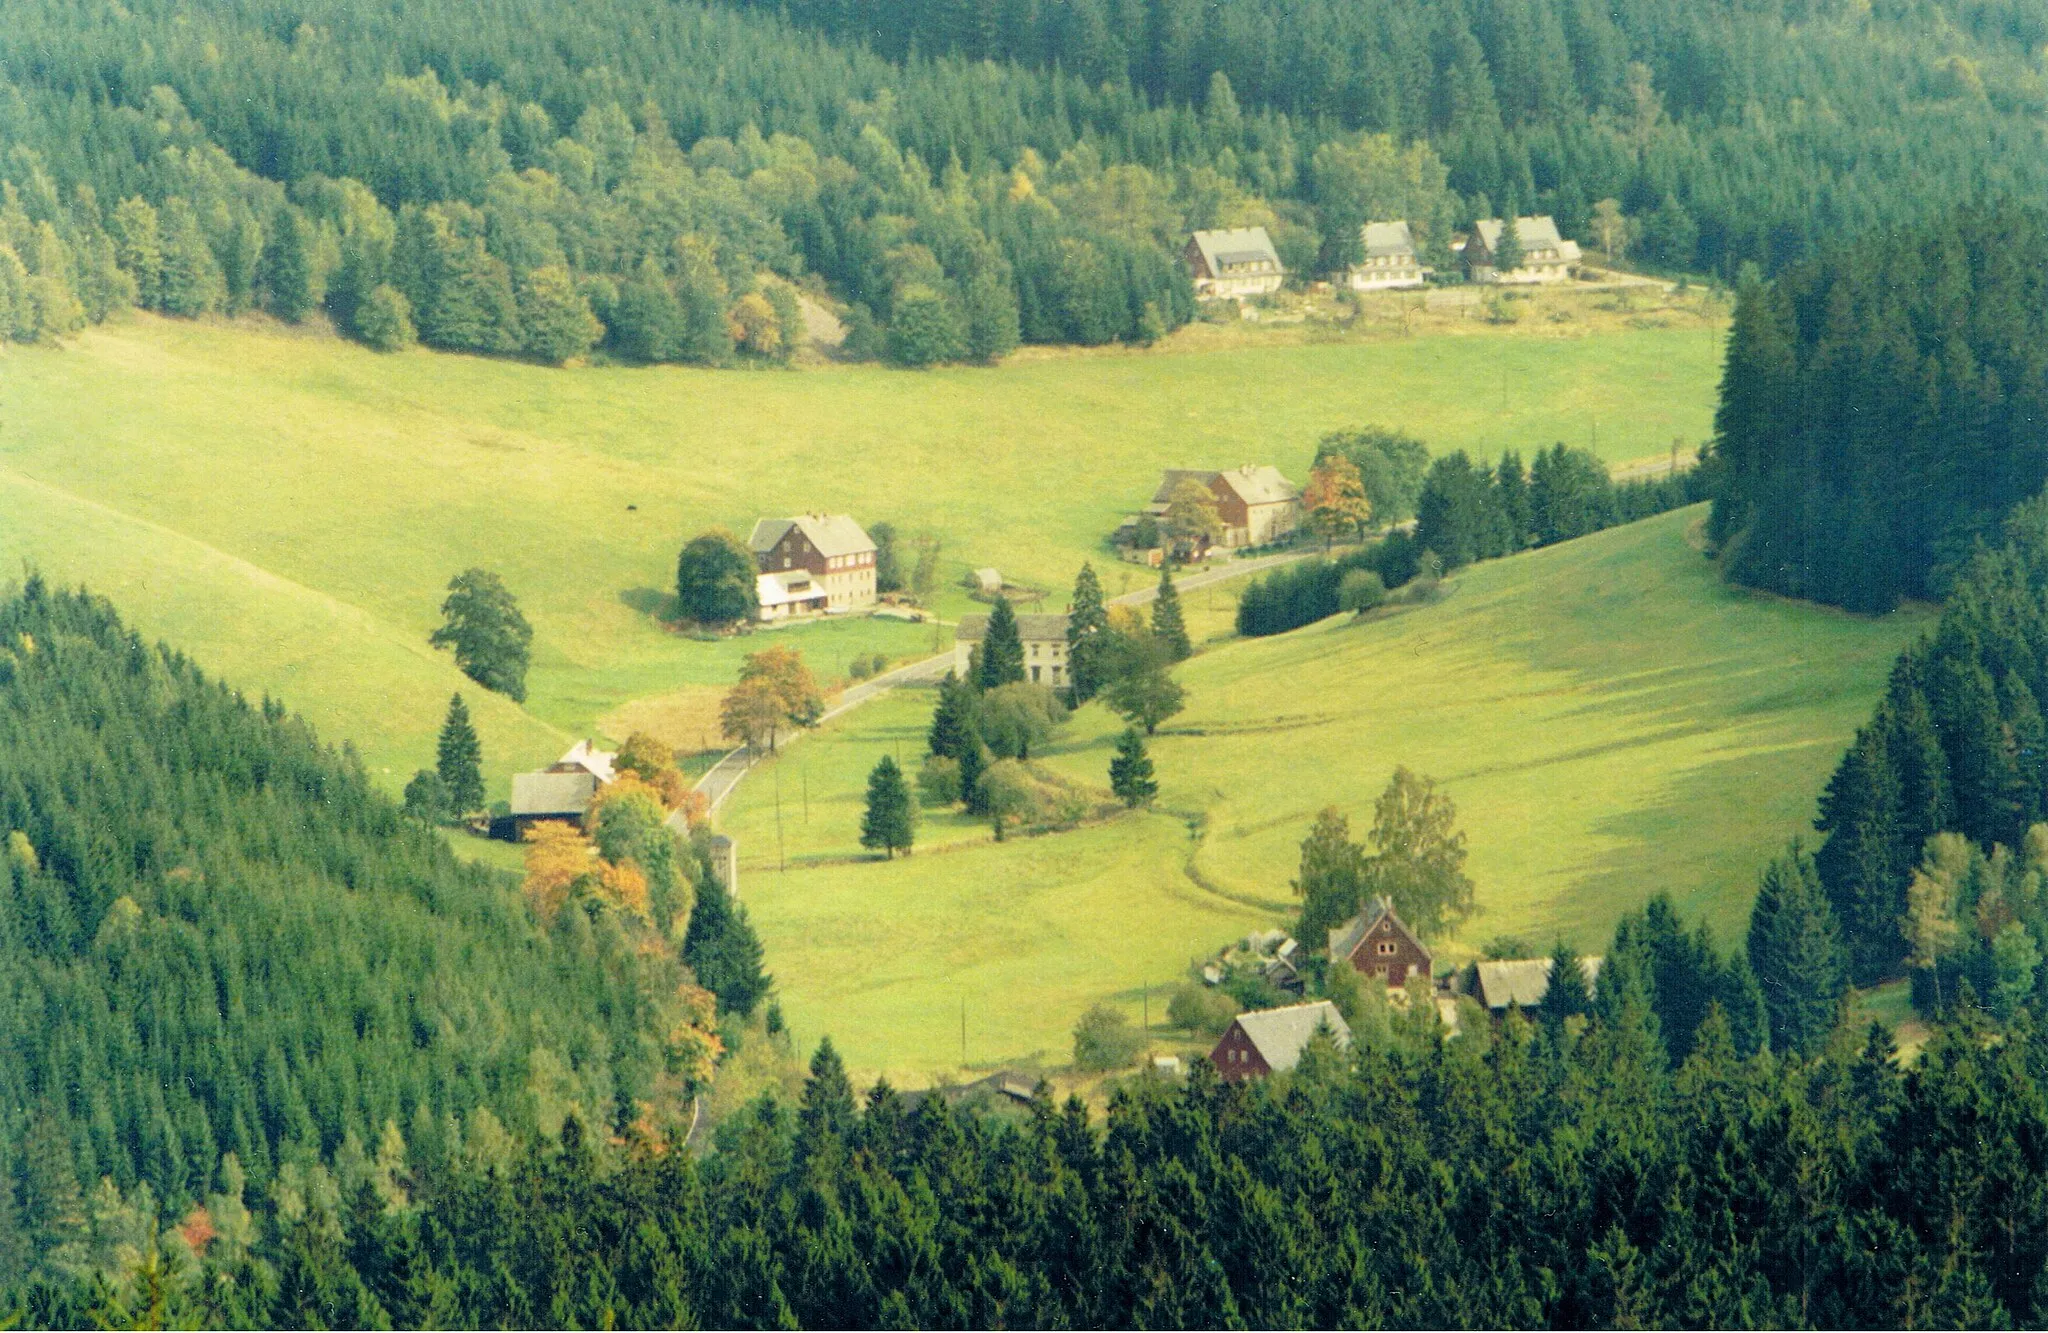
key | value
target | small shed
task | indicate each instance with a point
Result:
(988, 581)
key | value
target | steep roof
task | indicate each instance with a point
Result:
(1280, 1034)
(1534, 233)
(1241, 245)
(1260, 484)
(586, 756)
(1345, 939)
(564, 794)
(1030, 629)
(831, 534)
(1524, 981)
(1388, 238)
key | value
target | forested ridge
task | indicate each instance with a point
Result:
(225, 958)
(1564, 1172)
(649, 179)
(1882, 408)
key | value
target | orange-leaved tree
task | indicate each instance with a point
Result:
(1335, 499)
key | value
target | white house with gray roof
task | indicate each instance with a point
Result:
(1239, 262)
(1045, 646)
(1390, 259)
(834, 550)
(1546, 256)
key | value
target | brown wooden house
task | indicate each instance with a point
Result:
(1270, 1041)
(836, 551)
(1379, 944)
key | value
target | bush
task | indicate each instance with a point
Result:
(1249, 987)
(1104, 1039)
(426, 797)
(1361, 591)
(1201, 1009)
(1018, 718)
(938, 782)
(384, 320)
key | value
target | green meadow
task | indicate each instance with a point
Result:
(290, 507)
(1611, 720)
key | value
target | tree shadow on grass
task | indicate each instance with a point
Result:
(652, 602)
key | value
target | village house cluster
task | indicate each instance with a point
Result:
(1378, 944)
(1241, 263)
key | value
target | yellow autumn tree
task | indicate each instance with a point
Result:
(1335, 499)
(557, 855)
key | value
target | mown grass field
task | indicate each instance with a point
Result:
(1610, 719)
(290, 507)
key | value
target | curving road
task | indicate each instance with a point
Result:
(725, 775)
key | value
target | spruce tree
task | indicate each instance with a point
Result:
(1002, 651)
(1795, 950)
(287, 267)
(1860, 864)
(1925, 807)
(1507, 255)
(1130, 770)
(1169, 625)
(974, 761)
(888, 822)
(1087, 630)
(459, 761)
(1567, 994)
(950, 718)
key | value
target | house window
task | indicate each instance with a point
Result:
(1034, 673)
(1388, 946)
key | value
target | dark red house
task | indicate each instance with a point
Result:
(1270, 1041)
(1379, 944)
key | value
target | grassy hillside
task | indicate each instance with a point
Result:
(291, 507)
(1611, 720)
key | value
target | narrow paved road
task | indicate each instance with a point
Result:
(725, 775)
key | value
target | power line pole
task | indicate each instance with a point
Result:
(781, 856)
(963, 1029)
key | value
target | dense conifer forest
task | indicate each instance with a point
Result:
(1881, 409)
(651, 179)
(226, 962)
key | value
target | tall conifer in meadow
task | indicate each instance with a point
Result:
(459, 759)
(1130, 770)
(889, 821)
(1169, 622)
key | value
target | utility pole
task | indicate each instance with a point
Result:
(963, 1029)
(807, 793)
(781, 856)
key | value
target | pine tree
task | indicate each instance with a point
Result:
(459, 762)
(1002, 650)
(890, 818)
(1087, 641)
(1507, 255)
(1795, 950)
(1169, 625)
(1130, 770)
(192, 283)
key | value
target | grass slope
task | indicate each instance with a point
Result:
(292, 507)
(1611, 720)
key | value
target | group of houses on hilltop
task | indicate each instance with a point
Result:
(1241, 262)
(1376, 943)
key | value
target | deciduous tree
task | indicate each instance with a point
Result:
(481, 621)
(716, 579)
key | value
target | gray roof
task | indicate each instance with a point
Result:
(565, 794)
(1536, 234)
(1280, 1034)
(1524, 981)
(1030, 629)
(1388, 238)
(832, 534)
(1241, 245)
